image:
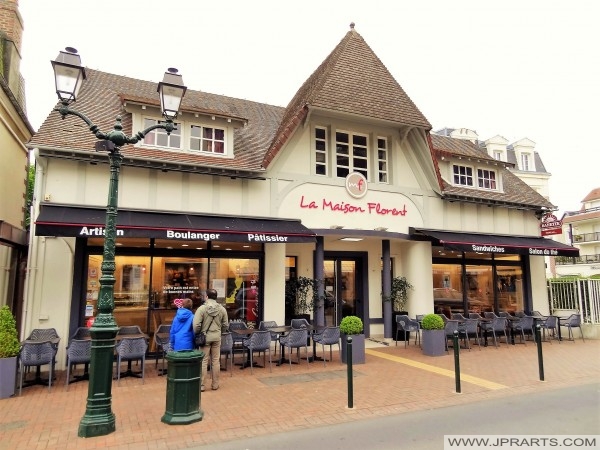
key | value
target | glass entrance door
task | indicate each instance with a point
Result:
(342, 285)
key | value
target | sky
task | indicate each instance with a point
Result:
(514, 68)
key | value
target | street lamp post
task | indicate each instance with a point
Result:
(69, 75)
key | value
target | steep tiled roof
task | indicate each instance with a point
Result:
(352, 79)
(593, 195)
(101, 99)
(515, 191)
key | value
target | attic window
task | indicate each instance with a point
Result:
(486, 179)
(525, 161)
(160, 138)
(207, 139)
(463, 175)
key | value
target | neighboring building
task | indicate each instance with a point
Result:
(522, 158)
(15, 131)
(244, 196)
(582, 230)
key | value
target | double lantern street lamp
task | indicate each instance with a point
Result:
(69, 75)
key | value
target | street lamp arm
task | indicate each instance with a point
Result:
(116, 135)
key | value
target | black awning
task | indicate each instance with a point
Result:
(55, 220)
(495, 243)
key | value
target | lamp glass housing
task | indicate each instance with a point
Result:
(171, 91)
(68, 76)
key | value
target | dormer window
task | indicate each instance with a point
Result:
(486, 179)
(525, 161)
(463, 175)
(160, 138)
(207, 139)
(498, 155)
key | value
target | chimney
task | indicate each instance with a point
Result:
(11, 35)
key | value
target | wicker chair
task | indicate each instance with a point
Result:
(296, 338)
(299, 323)
(330, 336)
(259, 341)
(43, 334)
(36, 354)
(79, 351)
(131, 349)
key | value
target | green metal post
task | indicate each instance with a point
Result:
(99, 419)
(350, 377)
(456, 360)
(538, 341)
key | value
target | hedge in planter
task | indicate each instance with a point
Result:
(353, 326)
(9, 350)
(433, 335)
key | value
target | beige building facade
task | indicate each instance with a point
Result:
(244, 197)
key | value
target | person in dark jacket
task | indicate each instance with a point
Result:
(182, 331)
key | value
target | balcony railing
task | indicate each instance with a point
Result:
(586, 237)
(584, 259)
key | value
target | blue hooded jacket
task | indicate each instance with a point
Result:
(182, 333)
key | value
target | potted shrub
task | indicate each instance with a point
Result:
(305, 292)
(9, 350)
(398, 296)
(433, 337)
(353, 326)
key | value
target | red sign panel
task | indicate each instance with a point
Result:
(551, 225)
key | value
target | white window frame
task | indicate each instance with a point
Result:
(489, 177)
(383, 159)
(160, 133)
(525, 161)
(321, 151)
(210, 142)
(467, 177)
(351, 154)
(498, 155)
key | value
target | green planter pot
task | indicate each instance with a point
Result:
(8, 376)
(433, 342)
(358, 349)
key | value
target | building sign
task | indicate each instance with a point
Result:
(550, 225)
(356, 185)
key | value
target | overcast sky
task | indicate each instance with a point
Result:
(515, 68)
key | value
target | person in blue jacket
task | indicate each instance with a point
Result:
(182, 332)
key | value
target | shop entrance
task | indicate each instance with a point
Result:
(343, 288)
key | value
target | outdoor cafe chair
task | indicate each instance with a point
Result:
(450, 327)
(43, 334)
(497, 327)
(299, 323)
(470, 329)
(131, 349)
(264, 325)
(524, 325)
(474, 315)
(407, 325)
(330, 336)
(458, 316)
(573, 321)
(295, 339)
(36, 354)
(129, 329)
(549, 323)
(238, 339)
(79, 351)
(162, 340)
(259, 341)
(227, 350)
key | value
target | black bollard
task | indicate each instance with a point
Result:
(538, 341)
(456, 360)
(350, 378)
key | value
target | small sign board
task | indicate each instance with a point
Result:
(550, 225)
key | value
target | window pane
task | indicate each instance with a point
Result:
(342, 172)
(194, 144)
(196, 131)
(342, 161)
(219, 147)
(359, 140)
(161, 140)
(360, 163)
(343, 149)
(320, 133)
(320, 157)
(207, 133)
(320, 169)
(341, 137)
(360, 152)
(320, 145)
(207, 146)
(219, 134)
(175, 141)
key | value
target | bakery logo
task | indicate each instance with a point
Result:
(356, 185)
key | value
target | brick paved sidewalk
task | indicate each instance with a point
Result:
(393, 380)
